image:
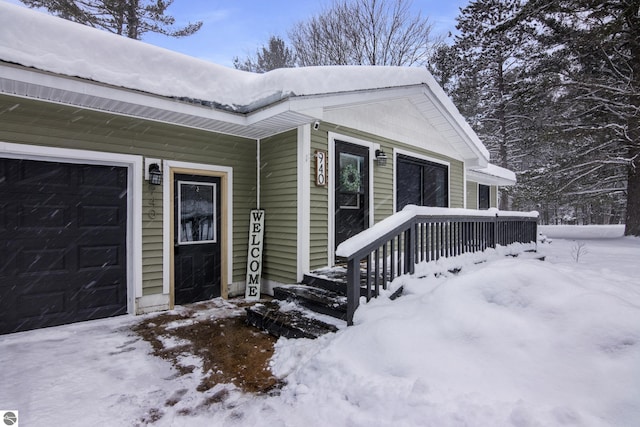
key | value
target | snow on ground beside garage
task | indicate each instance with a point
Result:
(507, 342)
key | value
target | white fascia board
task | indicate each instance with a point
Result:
(492, 175)
(95, 90)
(475, 143)
(459, 124)
(273, 110)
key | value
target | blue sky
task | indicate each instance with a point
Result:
(239, 27)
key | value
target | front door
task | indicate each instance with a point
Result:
(351, 190)
(196, 238)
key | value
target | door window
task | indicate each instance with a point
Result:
(351, 167)
(196, 212)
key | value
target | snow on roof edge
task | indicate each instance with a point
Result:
(495, 171)
(56, 45)
(48, 43)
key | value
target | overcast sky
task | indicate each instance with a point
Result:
(239, 27)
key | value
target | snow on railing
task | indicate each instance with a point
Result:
(393, 246)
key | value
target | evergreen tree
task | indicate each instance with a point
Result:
(491, 68)
(130, 18)
(552, 90)
(276, 55)
(595, 50)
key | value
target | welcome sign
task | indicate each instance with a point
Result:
(254, 255)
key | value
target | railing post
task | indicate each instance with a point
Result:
(410, 265)
(353, 288)
(428, 238)
(495, 232)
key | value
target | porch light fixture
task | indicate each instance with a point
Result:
(155, 175)
(381, 158)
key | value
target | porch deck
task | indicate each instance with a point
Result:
(392, 248)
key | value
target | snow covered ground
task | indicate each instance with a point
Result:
(507, 342)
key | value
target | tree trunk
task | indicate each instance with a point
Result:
(133, 22)
(503, 161)
(632, 227)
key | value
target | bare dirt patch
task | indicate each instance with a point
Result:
(215, 332)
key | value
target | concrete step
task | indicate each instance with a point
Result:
(335, 280)
(289, 324)
(316, 299)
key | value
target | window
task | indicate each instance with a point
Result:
(484, 196)
(197, 212)
(420, 182)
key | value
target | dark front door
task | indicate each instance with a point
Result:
(351, 190)
(63, 243)
(197, 238)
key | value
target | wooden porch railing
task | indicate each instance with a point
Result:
(395, 245)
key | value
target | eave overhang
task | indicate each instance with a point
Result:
(23, 82)
(492, 175)
(281, 115)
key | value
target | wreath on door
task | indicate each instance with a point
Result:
(350, 179)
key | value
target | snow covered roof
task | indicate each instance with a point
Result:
(492, 175)
(86, 55)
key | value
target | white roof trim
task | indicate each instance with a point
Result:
(492, 175)
(55, 60)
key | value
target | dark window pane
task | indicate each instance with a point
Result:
(351, 176)
(421, 183)
(408, 185)
(484, 192)
(197, 212)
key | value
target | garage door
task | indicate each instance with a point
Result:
(62, 243)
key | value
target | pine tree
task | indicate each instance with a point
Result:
(596, 49)
(492, 64)
(130, 18)
(276, 55)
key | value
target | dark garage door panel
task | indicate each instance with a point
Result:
(62, 243)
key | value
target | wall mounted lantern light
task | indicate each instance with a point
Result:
(155, 174)
(381, 157)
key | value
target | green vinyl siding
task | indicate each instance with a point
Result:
(383, 178)
(319, 204)
(47, 124)
(151, 239)
(383, 182)
(278, 198)
(472, 195)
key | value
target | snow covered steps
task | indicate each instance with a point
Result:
(316, 299)
(318, 293)
(270, 317)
